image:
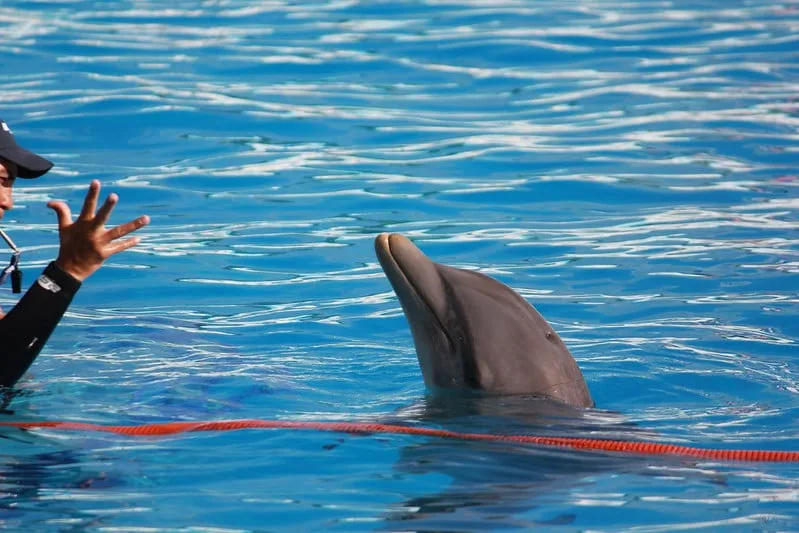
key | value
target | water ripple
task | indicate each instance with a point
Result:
(629, 167)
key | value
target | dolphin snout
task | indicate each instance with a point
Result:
(414, 277)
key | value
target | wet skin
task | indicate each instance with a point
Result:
(473, 332)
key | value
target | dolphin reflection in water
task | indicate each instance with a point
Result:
(492, 363)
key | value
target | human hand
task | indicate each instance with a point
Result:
(85, 243)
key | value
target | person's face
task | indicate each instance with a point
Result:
(8, 173)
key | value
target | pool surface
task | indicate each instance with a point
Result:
(631, 168)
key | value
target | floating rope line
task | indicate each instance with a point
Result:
(620, 446)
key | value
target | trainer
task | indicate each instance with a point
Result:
(85, 245)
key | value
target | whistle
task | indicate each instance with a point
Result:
(16, 281)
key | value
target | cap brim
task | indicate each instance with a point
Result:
(29, 165)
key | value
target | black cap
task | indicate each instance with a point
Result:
(29, 165)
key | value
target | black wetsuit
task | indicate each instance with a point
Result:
(25, 329)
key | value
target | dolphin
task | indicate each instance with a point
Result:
(473, 332)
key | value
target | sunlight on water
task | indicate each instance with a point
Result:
(628, 167)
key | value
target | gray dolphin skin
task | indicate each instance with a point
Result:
(473, 332)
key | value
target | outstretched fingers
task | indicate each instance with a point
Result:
(85, 242)
(115, 246)
(104, 213)
(121, 246)
(90, 202)
(62, 211)
(124, 229)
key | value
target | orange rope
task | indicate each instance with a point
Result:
(640, 447)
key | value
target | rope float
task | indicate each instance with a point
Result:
(632, 447)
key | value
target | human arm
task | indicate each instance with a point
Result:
(26, 328)
(85, 245)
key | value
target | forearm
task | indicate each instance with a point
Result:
(26, 328)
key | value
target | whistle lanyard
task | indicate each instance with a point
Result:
(13, 267)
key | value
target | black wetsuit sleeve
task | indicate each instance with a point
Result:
(26, 328)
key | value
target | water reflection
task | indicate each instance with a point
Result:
(630, 167)
(34, 472)
(497, 483)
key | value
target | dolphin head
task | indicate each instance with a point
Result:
(473, 332)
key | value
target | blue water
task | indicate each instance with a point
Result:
(629, 167)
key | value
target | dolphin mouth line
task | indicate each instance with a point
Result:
(416, 292)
